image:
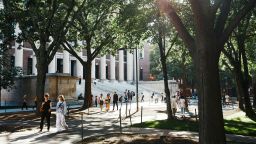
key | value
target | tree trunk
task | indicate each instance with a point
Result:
(248, 107)
(87, 89)
(239, 89)
(0, 94)
(161, 46)
(254, 92)
(167, 92)
(211, 125)
(166, 89)
(40, 81)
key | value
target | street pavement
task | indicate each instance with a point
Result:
(99, 123)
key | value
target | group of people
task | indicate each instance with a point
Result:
(101, 101)
(61, 111)
(179, 101)
(156, 97)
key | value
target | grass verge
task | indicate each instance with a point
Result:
(239, 126)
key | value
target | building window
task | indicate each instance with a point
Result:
(73, 68)
(141, 73)
(29, 68)
(141, 54)
(59, 66)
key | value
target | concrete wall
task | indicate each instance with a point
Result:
(55, 85)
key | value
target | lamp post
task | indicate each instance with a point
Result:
(136, 75)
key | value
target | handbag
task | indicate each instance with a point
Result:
(42, 108)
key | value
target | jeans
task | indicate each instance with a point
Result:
(47, 116)
(183, 110)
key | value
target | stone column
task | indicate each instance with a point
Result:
(112, 67)
(121, 65)
(34, 69)
(129, 66)
(66, 62)
(93, 69)
(79, 68)
(18, 55)
(103, 67)
(18, 50)
(52, 66)
(134, 64)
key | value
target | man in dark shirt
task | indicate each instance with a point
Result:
(115, 101)
(45, 112)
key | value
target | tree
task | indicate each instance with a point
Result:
(212, 30)
(46, 23)
(7, 71)
(165, 38)
(97, 27)
(236, 52)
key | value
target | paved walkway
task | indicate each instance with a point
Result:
(96, 123)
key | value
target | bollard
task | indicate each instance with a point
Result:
(126, 110)
(120, 119)
(130, 117)
(82, 126)
(141, 116)
(68, 110)
(5, 106)
(195, 114)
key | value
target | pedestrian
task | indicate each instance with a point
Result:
(121, 100)
(115, 101)
(142, 98)
(35, 100)
(96, 101)
(24, 105)
(91, 101)
(182, 105)
(152, 96)
(101, 101)
(162, 97)
(174, 104)
(186, 104)
(45, 111)
(125, 97)
(61, 111)
(227, 99)
(129, 95)
(107, 101)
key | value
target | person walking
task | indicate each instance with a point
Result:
(96, 101)
(174, 104)
(61, 111)
(142, 97)
(101, 101)
(182, 105)
(121, 100)
(115, 101)
(24, 104)
(35, 101)
(45, 111)
(107, 101)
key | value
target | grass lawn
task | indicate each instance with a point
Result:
(239, 126)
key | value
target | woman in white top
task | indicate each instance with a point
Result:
(174, 104)
(182, 104)
(61, 110)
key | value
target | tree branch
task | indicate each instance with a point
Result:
(236, 20)
(167, 8)
(173, 42)
(222, 18)
(69, 48)
(52, 12)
